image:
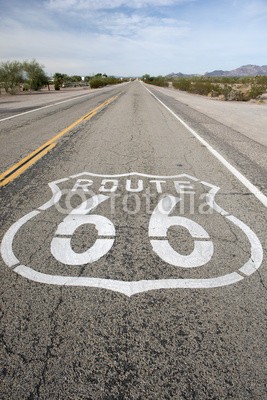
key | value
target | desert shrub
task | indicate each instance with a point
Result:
(193, 85)
(104, 80)
(232, 88)
(261, 80)
(256, 90)
(226, 90)
(245, 80)
(97, 82)
(159, 81)
(228, 80)
(182, 84)
(156, 80)
(236, 95)
(14, 90)
(112, 80)
(201, 87)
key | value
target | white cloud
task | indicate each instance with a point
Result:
(72, 52)
(107, 4)
(256, 8)
(142, 27)
(134, 41)
(252, 8)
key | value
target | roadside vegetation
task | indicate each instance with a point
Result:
(223, 88)
(95, 81)
(16, 76)
(100, 80)
(155, 80)
(27, 75)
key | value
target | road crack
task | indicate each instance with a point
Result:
(49, 350)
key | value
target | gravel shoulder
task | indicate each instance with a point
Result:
(249, 119)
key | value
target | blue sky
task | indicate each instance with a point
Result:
(134, 37)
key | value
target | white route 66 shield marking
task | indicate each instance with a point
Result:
(159, 223)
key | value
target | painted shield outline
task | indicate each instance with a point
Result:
(130, 288)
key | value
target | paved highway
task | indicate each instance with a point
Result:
(133, 251)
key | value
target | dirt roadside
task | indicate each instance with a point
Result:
(248, 118)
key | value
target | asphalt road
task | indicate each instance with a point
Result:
(133, 253)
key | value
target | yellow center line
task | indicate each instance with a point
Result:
(21, 166)
(26, 166)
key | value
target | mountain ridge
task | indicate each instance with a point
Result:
(244, 70)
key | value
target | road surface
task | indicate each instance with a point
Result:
(133, 251)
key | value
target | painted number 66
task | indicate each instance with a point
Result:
(159, 224)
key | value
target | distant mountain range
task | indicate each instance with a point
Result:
(180, 75)
(245, 70)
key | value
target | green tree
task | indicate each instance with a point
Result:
(59, 80)
(35, 74)
(76, 78)
(11, 75)
(146, 78)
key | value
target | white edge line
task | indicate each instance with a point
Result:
(49, 105)
(252, 188)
